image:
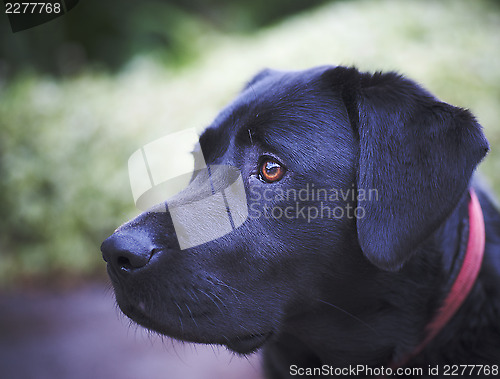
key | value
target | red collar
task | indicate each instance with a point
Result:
(464, 281)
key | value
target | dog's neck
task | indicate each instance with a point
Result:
(397, 306)
(463, 271)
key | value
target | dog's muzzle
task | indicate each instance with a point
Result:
(205, 202)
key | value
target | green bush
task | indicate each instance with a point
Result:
(64, 143)
(106, 34)
(58, 164)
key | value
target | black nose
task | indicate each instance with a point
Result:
(126, 251)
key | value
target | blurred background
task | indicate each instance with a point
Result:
(80, 94)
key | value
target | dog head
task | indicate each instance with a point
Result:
(345, 174)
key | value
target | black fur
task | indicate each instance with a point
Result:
(335, 291)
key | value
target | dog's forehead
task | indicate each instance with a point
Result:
(281, 109)
(281, 86)
(279, 101)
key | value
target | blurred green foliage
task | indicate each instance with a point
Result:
(106, 34)
(57, 164)
(65, 142)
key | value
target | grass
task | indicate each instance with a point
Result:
(64, 143)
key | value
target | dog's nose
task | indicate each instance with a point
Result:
(127, 252)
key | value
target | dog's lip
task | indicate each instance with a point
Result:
(245, 344)
(248, 343)
(113, 275)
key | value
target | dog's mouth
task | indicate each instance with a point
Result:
(249, 343)
(242, 345)
(245, 344)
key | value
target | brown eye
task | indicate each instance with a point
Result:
(271, 171)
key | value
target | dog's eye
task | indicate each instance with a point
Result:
(271, 171)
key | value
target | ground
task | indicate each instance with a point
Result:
(81, 334)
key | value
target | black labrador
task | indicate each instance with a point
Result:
(359, 191)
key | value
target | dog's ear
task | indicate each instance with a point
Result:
(416, 154)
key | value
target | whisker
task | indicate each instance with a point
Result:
(232, 289)
(213, 301)
(191, 316)
(350, 315)
(180, 316)
(250, 135)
